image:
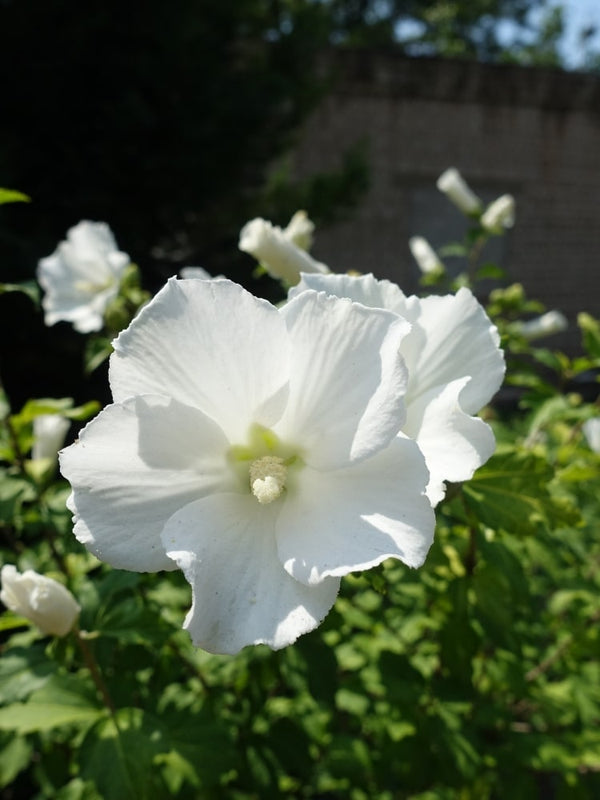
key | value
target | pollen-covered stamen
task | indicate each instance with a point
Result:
(267, 478)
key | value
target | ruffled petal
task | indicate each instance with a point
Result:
(365, 289)
(225, 545)
(454, 444)
(347, 379)
(133, 467)
(336, 522)
(210, 345)
(454, 338)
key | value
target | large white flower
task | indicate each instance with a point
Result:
(82, 276)
(257, 449)
(455, 366)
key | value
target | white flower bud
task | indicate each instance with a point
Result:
(43, 601)
(591, 430)
(281, 258)
(49, 431)
(549, 323)
(424, 254)
(300, 230)
(456, 189)
(499, 214)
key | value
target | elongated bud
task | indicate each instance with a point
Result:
(425, 256)
(281, 257)
(499, 215)
(49, 431)
(300, 230)
(549, 323)
(453, 185)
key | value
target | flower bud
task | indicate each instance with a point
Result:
(456, 189)
(43, 601)
(49, 431)
(300, 230)
(281, 258)
(499, 215)
(591, 431)
(549, 323)
(425, 256)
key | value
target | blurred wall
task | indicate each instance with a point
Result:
(532, 132)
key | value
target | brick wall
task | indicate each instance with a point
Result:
(532, 132)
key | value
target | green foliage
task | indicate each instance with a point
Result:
(475, 677)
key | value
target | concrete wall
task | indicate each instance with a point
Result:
(532, 132)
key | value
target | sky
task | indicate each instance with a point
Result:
(579, 14)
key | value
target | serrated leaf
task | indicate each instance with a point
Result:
(511, 492)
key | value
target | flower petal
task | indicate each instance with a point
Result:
(452, 337)
(133, 467)
(225, 545)
(365, 289)
(215, 346)
(347, 379)
(454, 444)
(335, 522)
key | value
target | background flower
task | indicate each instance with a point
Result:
(44, 601)
(256, 449)
(49, 431)
(277, 250)
(82, 276)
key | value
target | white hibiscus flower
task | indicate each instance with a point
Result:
(256, 449)
(455, 366)
(82, 276)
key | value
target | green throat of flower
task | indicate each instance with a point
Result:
(264, 464)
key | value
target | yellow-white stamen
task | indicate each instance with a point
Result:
(267, 478)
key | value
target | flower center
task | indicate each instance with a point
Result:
(267, 478)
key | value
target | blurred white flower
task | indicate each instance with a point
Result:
(455, 366)
(453, 185)
(280, 256)
(49, 431)
(82, 276)
(424, 254)
(195, 272)
(43, 601)
(256, 449)
(499, 215)
(300, 230)
(591, 430)
(548, 324)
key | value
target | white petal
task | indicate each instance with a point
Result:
(452, 337)
(454, 444)
(225, 545)
(211, 345)
(365, 289)
(347, 380)
(335, 522)
(133, 467)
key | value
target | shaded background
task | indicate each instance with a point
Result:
(169, 123)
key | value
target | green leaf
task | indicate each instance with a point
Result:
(31, 717)
(512, 492)
(130, 750)
(97, 350)
(30, 288)
(23, 671)
(590, 331)
(12, 196)
(15, 753)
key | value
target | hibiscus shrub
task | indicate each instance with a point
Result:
(273, 471)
